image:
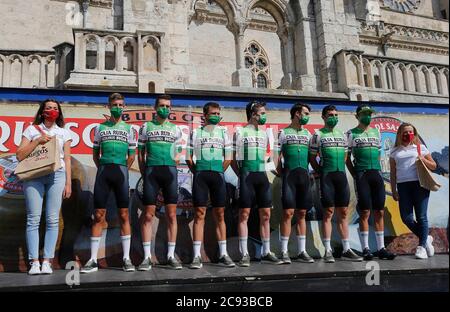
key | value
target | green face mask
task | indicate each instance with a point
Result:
(304, 120)
(262, 119)
(365, 119)
(214, 119)
(163, 112)
(332, 121)
(116, 111)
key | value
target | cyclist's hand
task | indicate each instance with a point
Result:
(395, 195)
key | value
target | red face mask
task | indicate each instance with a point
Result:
(51, 115)
(408, 137)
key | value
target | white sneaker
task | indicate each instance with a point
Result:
(35, 268)
(430, 247)
(421, 253)
(46, 268)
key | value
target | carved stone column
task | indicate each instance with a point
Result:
(242, 77)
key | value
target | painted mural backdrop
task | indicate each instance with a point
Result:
(73, 242)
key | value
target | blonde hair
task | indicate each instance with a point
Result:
(398, 138)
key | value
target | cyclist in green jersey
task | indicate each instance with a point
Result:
(292, 166)
(364, 143)
(212, 149)
(251, 146)
(158, 157)
(114, 153)
(330, 144)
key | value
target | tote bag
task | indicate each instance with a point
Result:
(426, 180)
(43, 160)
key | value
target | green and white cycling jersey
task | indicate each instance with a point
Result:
(115, 142)
(251, 146)
(210, 146)
(161, 142)
(365, 147)
(331, 146)
(294, 144)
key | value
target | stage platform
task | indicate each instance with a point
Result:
(403, 274)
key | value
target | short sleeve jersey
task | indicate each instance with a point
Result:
(331, 146)
(161, 142)
(115, 142)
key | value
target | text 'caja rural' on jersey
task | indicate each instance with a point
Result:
(161, 142)
(365, 145)
(210, 145)
(294, 145)
(331, 146)
(251, 145)
(115, 142)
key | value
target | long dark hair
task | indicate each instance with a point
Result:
(38, 119)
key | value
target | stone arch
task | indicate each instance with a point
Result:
(151, 46)
(16, 63)
(128, 53)
(111, 46)
(378, 75)
(415, 81)
(405, 79)
(50, 71)
(391, 78)
(367, 73)
(445, 82)
(436, 81)
(424, 75)
(284, 16)
(92, 50)
(34, 64)
(229, 7)
(280, 10)
(354, 74)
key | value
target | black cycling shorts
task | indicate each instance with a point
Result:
(157, 178)
(295, 190)
(254, 187)
(212, 183)
(370, 190)
(111, 178)
(334, 190)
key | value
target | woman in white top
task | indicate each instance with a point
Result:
(54, 186)
(406, 188)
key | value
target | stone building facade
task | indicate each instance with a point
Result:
(377, 50)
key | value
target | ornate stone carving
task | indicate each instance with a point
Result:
(96, 3)
(404, 37)
(405, 6)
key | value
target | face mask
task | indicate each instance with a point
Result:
(163, 112)
(116, 111)
(304, 120)
(214, 119)
(332, 121)
(262, 119)
(408, 137)
(50, 115)
(365, 120)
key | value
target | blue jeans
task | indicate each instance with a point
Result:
(52, 186)
(414, 198)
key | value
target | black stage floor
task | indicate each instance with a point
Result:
(403, 274)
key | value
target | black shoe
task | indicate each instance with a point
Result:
(351, 256)
(384, 254)
(367, 255)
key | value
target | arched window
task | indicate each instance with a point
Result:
(390, 77)
(257, 62)
(128, 55)
(91, 53)
(110, 55)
